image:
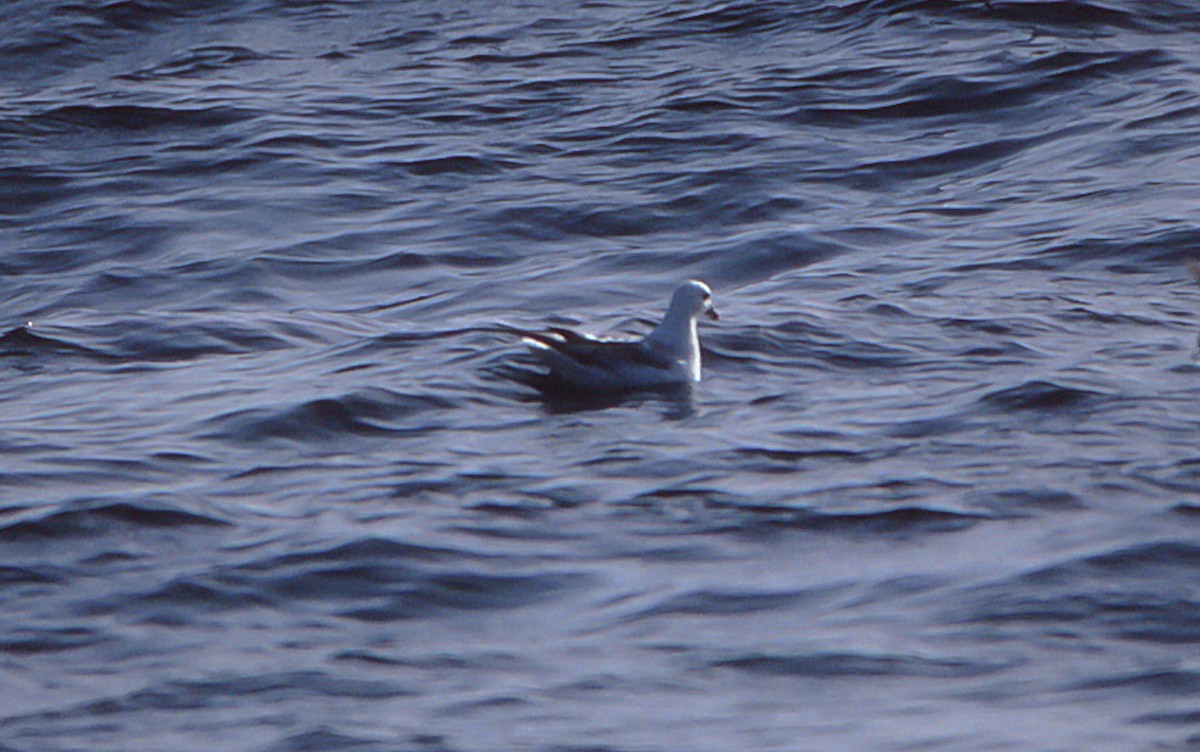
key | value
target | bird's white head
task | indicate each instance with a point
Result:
(694, 299)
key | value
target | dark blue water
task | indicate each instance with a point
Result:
(267, 481)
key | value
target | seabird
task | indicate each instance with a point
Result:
(666, 356)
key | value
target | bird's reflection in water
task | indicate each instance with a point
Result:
(674, 402)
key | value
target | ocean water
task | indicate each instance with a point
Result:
(268, 482)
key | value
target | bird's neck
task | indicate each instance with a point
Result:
(676, 336)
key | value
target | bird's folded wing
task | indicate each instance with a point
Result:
(608, 355)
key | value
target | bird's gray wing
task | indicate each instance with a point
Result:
(588, 351)
(611, 356)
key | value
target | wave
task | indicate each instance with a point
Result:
(1071, 17)
(369, 580)
(199, 61)
(1042, 396)
(25, 189)
(136, 117)
(726, 513)
(21, 342)
(133, 341)
(1140, 593)
(716, 603)
(833, 665)
(370, 412)
(16, 575)
(1158, 683)
(92, 518)
(1161, 248)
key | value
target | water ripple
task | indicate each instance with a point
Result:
(270, 452)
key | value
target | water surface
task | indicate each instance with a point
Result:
(267, 482)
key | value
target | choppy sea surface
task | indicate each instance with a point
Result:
(267, 481)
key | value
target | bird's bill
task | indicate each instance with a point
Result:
(712, 314)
